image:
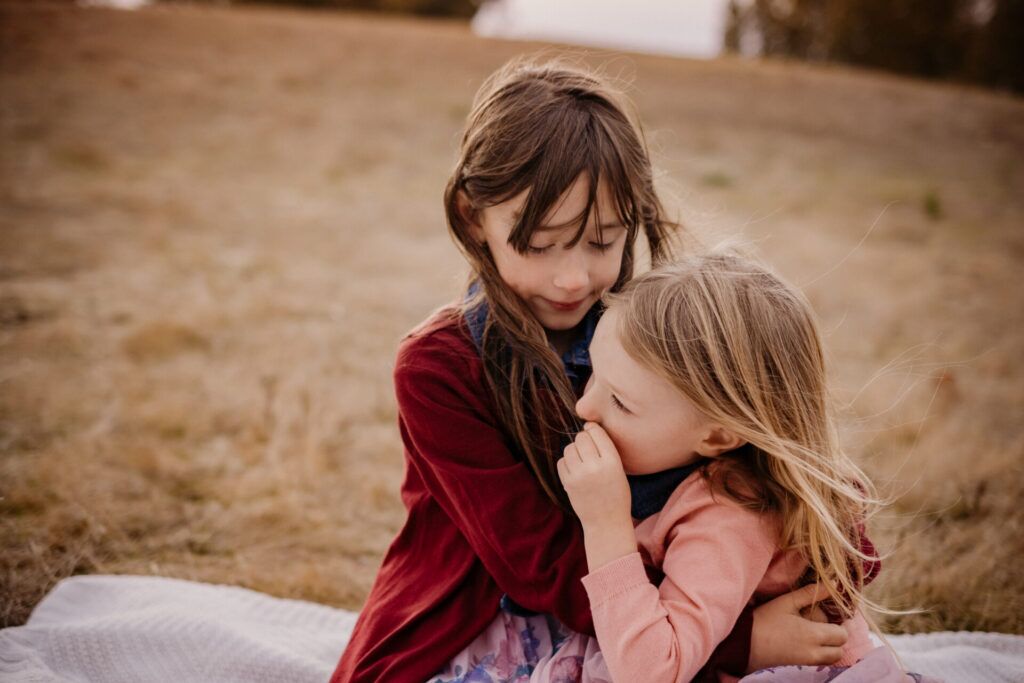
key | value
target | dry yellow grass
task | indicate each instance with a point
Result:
(215, 225)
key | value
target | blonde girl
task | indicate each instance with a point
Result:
(551, 191)
(715, 365)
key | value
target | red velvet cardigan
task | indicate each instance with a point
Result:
(479, 525)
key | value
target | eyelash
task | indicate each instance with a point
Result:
(618, 404)
(601, 247)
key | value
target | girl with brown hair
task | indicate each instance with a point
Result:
(551, 192)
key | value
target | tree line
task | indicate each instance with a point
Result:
(430, 8)
(980, 41)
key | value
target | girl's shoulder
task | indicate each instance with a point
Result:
(721, 483)
(697, 518)
(700, 490)
(443, 319)
(441, 343)
(701, 496)
(444, 328)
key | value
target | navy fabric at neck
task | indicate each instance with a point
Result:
(650, 492)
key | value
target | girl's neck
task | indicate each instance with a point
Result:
(561, 340)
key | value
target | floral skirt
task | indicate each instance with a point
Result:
(534, 649)
(540, 649)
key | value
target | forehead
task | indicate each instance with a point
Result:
(610, 360)
(613, 366)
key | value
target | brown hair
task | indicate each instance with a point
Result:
(538, 127)
(744, 348)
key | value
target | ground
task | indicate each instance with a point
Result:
(216, 223)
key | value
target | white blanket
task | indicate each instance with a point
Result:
(155, 630)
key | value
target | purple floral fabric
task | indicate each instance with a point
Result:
(540, 649)
(527, 649)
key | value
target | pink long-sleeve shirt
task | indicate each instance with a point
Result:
(717, 557)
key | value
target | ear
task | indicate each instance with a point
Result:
(470, 215)
(718, 440)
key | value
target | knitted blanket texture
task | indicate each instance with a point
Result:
(139, 628)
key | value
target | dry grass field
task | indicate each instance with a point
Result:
(215, 225)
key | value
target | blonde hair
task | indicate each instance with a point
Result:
(536, 126)
(744, 347)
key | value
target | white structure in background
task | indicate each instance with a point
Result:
(115, 4)
(688, 28)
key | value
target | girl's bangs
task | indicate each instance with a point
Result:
(582, 149)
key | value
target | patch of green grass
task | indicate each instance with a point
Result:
(82, 157)
(716, 179)
(32, 131)
(931, 205)
(159, 340)
(458, 111)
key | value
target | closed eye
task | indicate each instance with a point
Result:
(602, 246)
(537, 250)
(618, 404)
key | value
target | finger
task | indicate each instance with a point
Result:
(604, 443)
(563, 469)
(817, 614)
(827, 655)
(573, 453)
(586, 447)
(832, 635)
(807, 596)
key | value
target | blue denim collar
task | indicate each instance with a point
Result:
(576, 360)
(649, 492)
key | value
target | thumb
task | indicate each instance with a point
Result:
(807, 596)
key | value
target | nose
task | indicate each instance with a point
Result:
(585, 406)
(573, 271)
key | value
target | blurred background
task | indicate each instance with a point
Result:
(217, 221)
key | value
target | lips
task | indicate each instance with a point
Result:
(566, 305)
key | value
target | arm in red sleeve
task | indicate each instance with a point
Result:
(873, 566)
(532, 548)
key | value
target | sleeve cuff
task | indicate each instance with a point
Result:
(618, 576)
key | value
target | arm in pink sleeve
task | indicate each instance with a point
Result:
(717, 555)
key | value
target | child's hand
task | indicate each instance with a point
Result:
(782, 636)
(591, 472)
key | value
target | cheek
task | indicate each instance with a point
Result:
(512, 267)
(648, 448)
(609, 267)
(629, 442)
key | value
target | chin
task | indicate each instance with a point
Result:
(641, 471)
(561, 323)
